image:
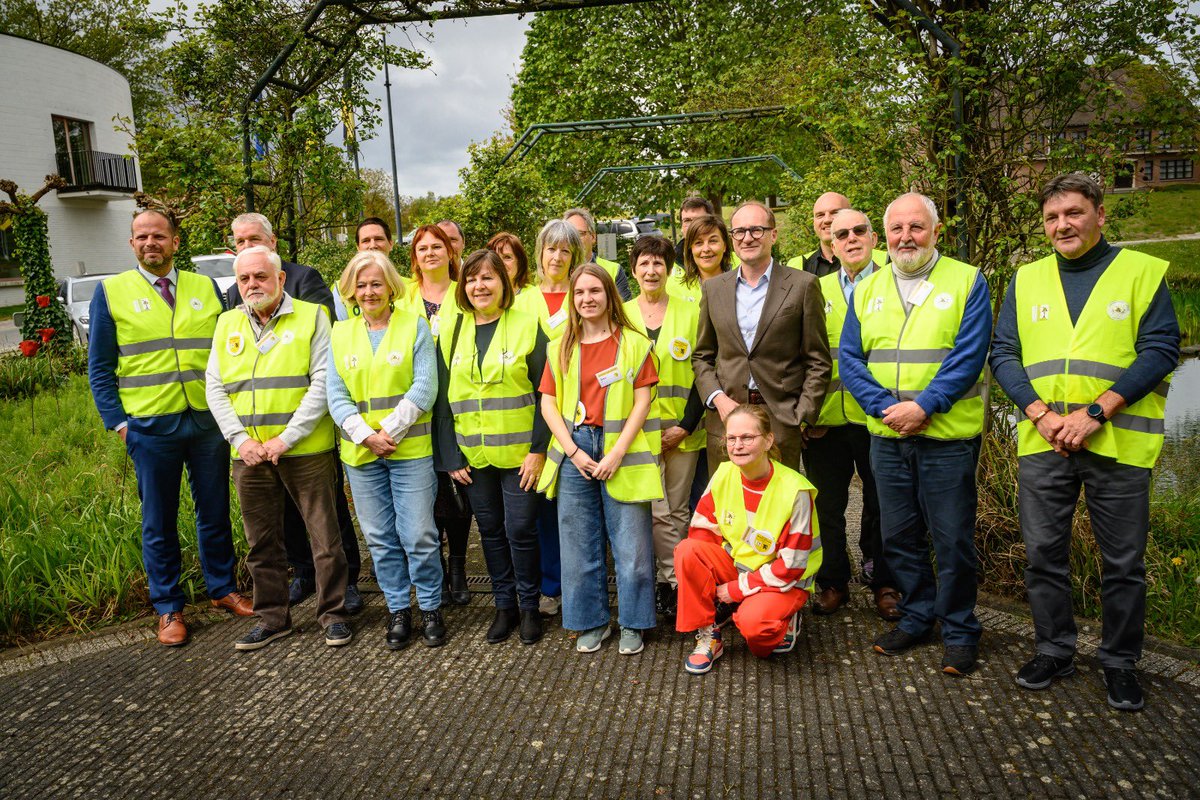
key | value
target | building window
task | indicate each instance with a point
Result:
(1176, 169)
(1142, 140)
(72, 149)
(1147, 171)
(9, 268)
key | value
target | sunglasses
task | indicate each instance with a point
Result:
(859, 231)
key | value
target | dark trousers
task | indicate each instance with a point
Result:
(295, 537)
(927, 491)
(158, 462)
(507, 519)
(830, 462)
(548, 547)
(309, 481)
(453, 521)
(1118, 503)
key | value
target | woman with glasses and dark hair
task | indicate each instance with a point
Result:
(753, 543)
(494, 354)
(707, 252)
(597, 392)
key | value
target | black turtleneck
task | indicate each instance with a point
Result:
(1157, 342)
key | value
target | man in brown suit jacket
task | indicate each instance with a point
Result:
(762, 340)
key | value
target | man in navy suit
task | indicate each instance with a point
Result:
(303, 283)
(151, 333)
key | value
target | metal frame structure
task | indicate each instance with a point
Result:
(372, 12)
(535, 132)
(712, 162)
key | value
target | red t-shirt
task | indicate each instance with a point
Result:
(594, 358)
(554, 301)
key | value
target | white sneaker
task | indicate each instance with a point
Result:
(631, 642)
(589, 641)
(549, 606)
(790, 637)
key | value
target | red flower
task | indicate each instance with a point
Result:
(47, 334)
(29, 348)
(43, 300)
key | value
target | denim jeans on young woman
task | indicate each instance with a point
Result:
(394, 503)
(507, 516)
(587, 515)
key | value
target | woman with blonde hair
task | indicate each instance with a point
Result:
(597, 392)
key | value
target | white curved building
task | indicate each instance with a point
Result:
(59, 111)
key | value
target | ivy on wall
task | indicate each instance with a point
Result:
(31, 236)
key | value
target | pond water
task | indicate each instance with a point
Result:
(1183, 401)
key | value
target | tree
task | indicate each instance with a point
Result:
(45, 318)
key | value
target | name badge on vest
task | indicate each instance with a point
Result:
(607, 377)
(943, 301)
(762, 542)
(141, 304)
(435, 324)
(680, 348)
(196, 303)
(558, 318)
(921, 293)
(235, 344)
(1041, 312)
(265, 344)
(395, 358)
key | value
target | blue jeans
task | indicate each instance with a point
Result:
(394, 502)
(506, 514)
(927, 491)
(587, 515)
(551, 560)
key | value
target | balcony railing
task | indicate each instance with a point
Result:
(89, 170)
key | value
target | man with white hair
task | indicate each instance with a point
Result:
(912, 353)
(304, 283)
(265, 384)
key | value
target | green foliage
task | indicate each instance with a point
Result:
(326, 257)
(22, 377)
(32, 238)
(1167, 212)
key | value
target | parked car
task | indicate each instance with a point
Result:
(623, 228)
(75, 293)
(648, 226)
(218, 266)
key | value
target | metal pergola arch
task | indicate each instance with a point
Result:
(712, 162)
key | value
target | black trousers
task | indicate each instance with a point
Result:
(295, 536)
(830, 462)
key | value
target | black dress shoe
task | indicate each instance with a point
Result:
(435, 628)
(299, 589)
(1124, 691)
(354, 601)
(460, 595)
(531, 626)
(399, 632)
(896, 641)
(504, 623)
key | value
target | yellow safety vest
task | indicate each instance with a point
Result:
(878, 256)
(162, 352)
(1070, 365)
(494, 405)
(637, 480)
(839, 407)
(611, 267)
(267, 388)
(905, 352)
(676, 341)
(378, 380)
(441, 321)
(751, 546)
(531, 301)
(677, 288)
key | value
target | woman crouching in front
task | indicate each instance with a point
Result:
(753, 543)
(597, 391)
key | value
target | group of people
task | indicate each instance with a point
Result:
(569, 420)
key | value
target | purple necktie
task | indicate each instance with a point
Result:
(164, 288)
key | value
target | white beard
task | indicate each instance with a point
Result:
(266, 302)
(912, 264)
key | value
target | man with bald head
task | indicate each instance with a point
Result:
(822, 261)
(912, 353)
(839, 443)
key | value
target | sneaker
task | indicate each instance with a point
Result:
(896, 641)
(549, 606)
(959, 659)
(631, 642)
(790, 636)
(260, 636)
(708, 649)
(1124, 691)
(399, 631)
(354, 602)
(435, 628)
(589, 641)
(299, 589)
(338, 634)
(1042, 669)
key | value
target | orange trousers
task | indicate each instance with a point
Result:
(761, 618)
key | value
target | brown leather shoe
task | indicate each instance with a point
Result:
(830, 600)
(172, 631)
(887, 604)
(236, 604)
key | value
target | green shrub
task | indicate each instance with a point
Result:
(22, 377)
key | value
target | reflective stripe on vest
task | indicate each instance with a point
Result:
(839, 407)
(493, 406)
(905, 351)
(753, 543)
(267, 388)
(1070, 365)
(378, 380)
(637, 480)
(162, 374)
(674, 346)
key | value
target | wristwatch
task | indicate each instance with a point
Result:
(1096, 412)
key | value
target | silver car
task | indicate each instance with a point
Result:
(218, 266)
(75, 293)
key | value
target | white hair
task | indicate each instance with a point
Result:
(842, 211)
(260, 249)
(257, 219)
(930, 208)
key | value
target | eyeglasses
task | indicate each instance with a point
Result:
(754, 233)
(733, 441)
(858, 230)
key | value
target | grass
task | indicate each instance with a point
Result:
(1168, 212)
(6, 312)
(70, 521)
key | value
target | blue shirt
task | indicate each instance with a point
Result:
(748, 301)
(848, 284)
